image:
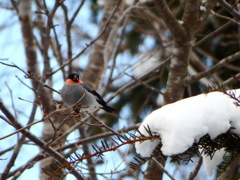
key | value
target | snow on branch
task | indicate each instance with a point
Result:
(207, 124)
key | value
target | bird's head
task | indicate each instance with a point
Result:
(73, 78)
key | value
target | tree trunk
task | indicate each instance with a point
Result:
(183, 36)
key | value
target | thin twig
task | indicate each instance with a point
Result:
(89, 44)
(31, 124)
(231, 79)
(57, 156)
(24, 83)
(104, 125)
(224, 17)
(212, 34)
(29, 75)
(162, 168)
(191, 79)
(194, 173)
(40, 157)
(11, 95)
(144, 84)
(14, 156)
(229, 8)
(135, 83)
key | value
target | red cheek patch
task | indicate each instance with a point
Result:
(70, 81)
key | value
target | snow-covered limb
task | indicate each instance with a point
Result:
(184, 122)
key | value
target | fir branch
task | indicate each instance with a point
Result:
(139, 162)
(99, 151)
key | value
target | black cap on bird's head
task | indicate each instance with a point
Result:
(74, 77)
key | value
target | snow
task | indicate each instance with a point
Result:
(211, 163)
(184, 122)
(180, 22)
(203, 9)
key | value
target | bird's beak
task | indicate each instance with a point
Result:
(75, 78)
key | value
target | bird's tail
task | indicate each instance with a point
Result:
(108, 108)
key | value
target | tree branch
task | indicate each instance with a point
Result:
(191, 16)
(174, 26)
(194, 173)
(189, 80)
(162, 168)
(230, 9)
(57, 156)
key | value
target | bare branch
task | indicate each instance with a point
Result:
(162, 168)
(174, 26)
(230, 9)
(194, 173)
(14, 156)
(57, 156)
(87, 45)
(213, 34)
(191, 16)
(220, 64)
(225, 17)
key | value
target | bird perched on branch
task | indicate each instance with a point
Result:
(76, 92)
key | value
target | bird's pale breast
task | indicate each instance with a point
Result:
(72, 93)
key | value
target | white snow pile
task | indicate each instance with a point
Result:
(184, 122)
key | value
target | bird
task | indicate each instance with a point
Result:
(76, 92)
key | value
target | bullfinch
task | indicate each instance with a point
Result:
(76, 92)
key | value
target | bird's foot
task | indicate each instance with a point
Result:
(79, 106)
